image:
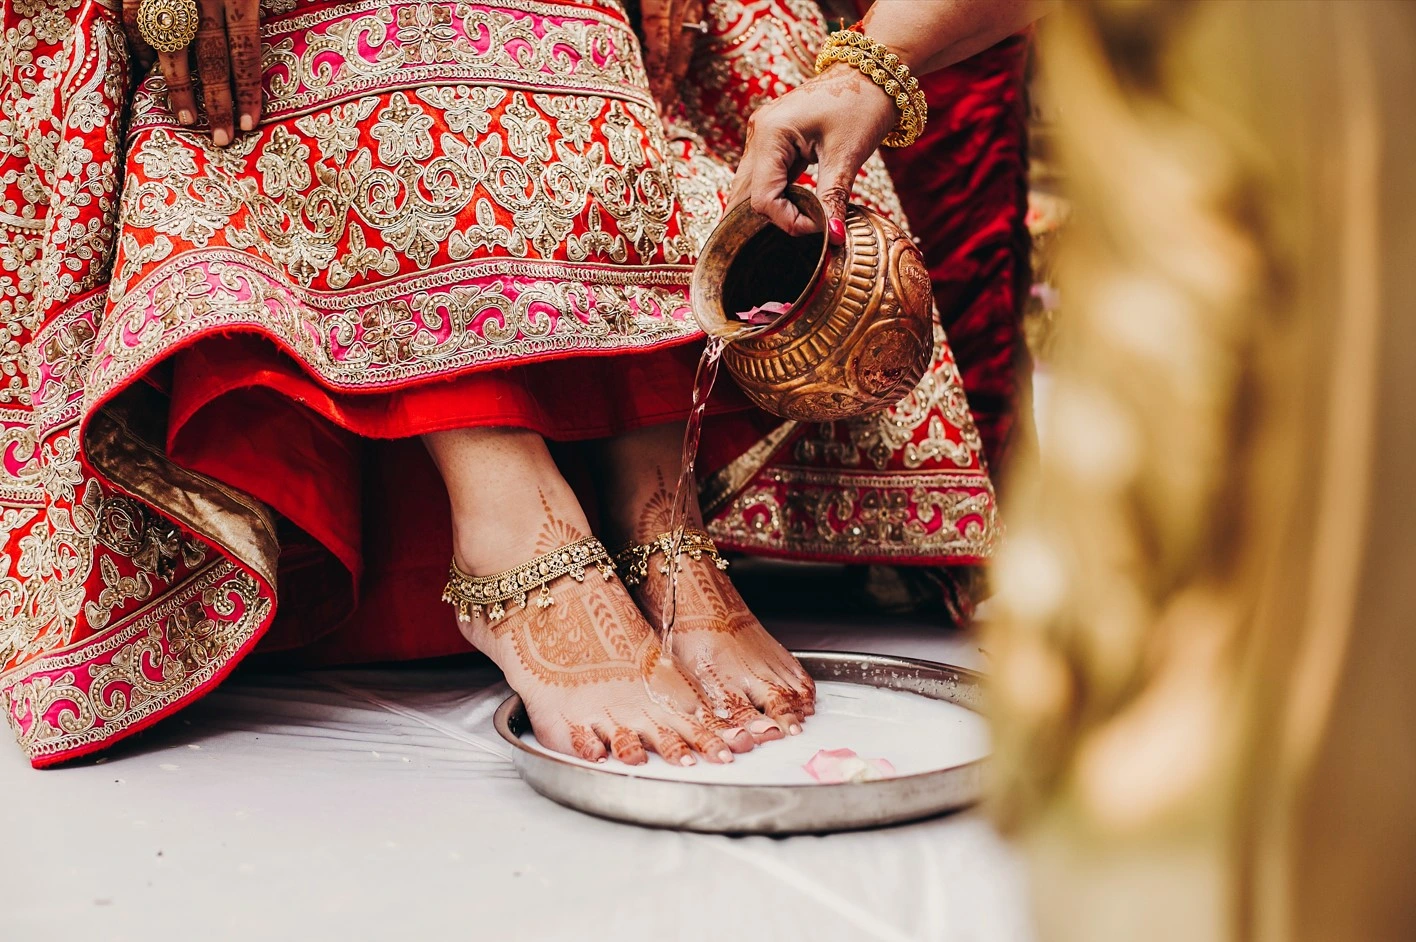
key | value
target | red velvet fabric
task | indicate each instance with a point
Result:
(348, 476)
(963, 186)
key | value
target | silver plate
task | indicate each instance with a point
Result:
(770, 809)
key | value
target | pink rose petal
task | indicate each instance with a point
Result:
(834, 766)
(764, 314)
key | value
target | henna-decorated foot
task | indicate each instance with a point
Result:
(743, 669)
(594, 681)
(588, 667)
(748, 677)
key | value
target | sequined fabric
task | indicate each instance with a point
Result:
(442, 196)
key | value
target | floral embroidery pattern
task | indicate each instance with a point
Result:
(437, 186)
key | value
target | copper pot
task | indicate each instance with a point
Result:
(859, 334)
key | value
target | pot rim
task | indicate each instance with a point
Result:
(735, 230)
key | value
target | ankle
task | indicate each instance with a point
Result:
(498, 535)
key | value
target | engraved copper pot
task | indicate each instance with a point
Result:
(859, 334)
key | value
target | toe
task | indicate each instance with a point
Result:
(761, 728)
(777, 703)
(797, 685)
(704, 740)
(805, 689)
(735, 734)
(626, 747)
(586, 744)
(669, 745)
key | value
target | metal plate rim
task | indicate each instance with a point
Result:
(536, 766)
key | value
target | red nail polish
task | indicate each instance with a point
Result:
(837, 230)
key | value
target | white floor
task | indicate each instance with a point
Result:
(380, 804)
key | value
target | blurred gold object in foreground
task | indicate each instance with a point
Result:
(1207, 605)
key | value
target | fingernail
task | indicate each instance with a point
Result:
(837, 230)
(248, 123)
(725, 756)
(794, 729)
(688, 760)
(219, 138)
(184, 117)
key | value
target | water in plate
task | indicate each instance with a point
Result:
(915, 733)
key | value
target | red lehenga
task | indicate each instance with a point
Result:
(454, 214)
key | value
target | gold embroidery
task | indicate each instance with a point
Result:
(861, 515)
(204, 621)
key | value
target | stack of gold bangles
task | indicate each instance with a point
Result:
(884, 68)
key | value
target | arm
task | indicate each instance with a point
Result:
(837, 119)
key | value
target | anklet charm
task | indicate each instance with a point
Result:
(471, 595)
(633, 561)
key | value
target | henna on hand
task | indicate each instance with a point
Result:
(227, 52)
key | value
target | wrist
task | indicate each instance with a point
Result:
(883, 66)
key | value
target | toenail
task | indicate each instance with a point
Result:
(725, 756)
(762, 725)
(688, 760)
(601, 759)
(794, 729)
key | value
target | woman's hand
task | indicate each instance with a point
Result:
(836, 120)
(228, 60)
(670, 29)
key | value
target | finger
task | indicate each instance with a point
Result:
(833, 187)
(142, 52)
(772, 158)
(769, 186)
(178, 76)
(214, 67)
(586, 744)
(670, 746)
(243, 31)
(627, 748)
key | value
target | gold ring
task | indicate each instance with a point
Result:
(168, 25)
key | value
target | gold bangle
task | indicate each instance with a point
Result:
(884, 68)
(633, 561)
(470, 595)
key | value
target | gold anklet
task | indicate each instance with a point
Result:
(471, 594)
(633, 561)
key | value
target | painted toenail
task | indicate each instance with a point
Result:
(762, 725)
(725, 756)
(794, 729)
(688, 760)
(601, 759)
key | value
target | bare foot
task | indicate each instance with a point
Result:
(746, 674)
(590, 670)
(742, 668)
(594, 679)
